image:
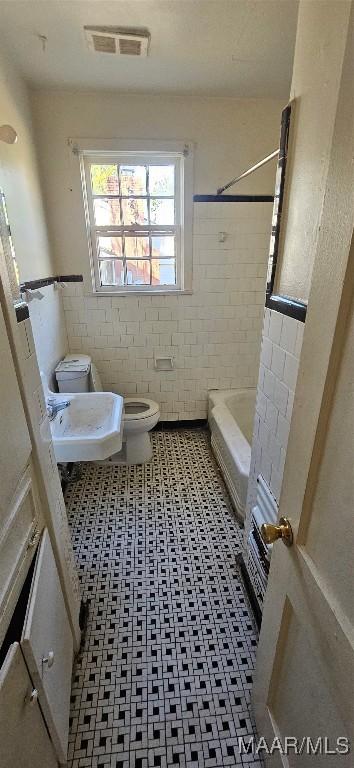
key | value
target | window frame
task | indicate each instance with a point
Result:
(180, 154)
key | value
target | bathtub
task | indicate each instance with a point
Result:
(230, 416)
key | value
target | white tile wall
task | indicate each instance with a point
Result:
(213, 334)
(280, 354)
(49, 329)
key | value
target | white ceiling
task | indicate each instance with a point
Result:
(239, 48)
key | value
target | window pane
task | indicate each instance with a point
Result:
(137, 247)
(110, 246)
(135, 211)
(163, 271)
(162, 246)
(106, 211)
(111, 272)
(161, 180)
(138, 272)
(133, 179)
(162, 211)
(104, 179)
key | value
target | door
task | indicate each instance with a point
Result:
(20, 517)
(24, 739)
(47, 646)
(304, 683)
(304, 680)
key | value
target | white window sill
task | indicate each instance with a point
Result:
(141, 293)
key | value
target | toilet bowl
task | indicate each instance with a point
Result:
(140, 417)
(140, 414)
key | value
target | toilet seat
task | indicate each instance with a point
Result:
(139, 408)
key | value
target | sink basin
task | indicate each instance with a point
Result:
(90, 429)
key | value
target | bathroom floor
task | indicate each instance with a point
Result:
(165, 674)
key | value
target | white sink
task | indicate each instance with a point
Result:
(90, 428)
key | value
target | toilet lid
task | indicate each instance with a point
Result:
(139, 408)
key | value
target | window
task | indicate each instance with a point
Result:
(135, 214)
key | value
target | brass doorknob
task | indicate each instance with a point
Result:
(284, 531)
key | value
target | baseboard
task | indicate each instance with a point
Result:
(182, 424)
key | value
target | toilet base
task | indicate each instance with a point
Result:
(137, 449)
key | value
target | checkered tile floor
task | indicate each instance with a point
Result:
(165, 674)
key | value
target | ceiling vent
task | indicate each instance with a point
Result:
(122, 41)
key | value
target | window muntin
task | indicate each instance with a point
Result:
(135, 214)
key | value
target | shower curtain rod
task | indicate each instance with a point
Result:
(248, 172)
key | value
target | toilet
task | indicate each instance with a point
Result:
(77, 373)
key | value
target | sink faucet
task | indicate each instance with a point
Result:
(53, 407)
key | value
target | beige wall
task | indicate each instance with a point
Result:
(320, 45)
(19, 178)
(229, 134)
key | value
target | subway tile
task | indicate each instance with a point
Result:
(275, 326)
(256, 425)
(278, 361)
(151, 313)
(261, 377)
(91, 302)
(266, 465)
(165, 314)
(288, 334)
(261, 404)
(264, 435)
(75, 344)
(271, 417)
(275, 482)
(281, 395)
(299, 339)
(133, 326)
(184, 325)
(274, 450)
(79, 329)
(96, 315)
(290, 371)
(283, 428)
(266, 352)
(165, 339)
(269, 384)
(290, 404)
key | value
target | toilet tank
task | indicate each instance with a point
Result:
(73, 373)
